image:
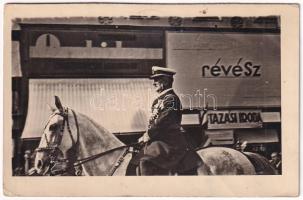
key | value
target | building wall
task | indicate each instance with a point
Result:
(239, 69)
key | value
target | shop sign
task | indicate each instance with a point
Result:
(243, 68)
(226, 119)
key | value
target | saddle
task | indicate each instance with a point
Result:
(187, 166)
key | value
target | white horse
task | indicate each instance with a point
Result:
(70, 141)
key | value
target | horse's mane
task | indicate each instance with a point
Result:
(95, 136)
(94, 139)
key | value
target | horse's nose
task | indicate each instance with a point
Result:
(40, 164)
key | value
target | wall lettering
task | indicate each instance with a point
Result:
(240, 69)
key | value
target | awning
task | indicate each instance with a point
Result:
(119, 105)
(270, 117)
(220, 137)
(258, 136)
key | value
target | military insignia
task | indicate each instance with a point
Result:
(160, 104)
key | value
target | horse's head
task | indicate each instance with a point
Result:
(56, 141)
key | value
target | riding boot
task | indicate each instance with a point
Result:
(146, 168)
(192, 172)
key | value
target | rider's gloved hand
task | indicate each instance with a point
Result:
(144, 138)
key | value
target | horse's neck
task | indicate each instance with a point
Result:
(95, 139)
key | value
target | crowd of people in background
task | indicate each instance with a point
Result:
(276, 161)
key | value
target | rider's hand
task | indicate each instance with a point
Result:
(144, 138)
(140, 140)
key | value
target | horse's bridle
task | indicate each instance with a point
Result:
(53, 149)
(75, 165)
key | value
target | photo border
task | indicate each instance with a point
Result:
(286, 184)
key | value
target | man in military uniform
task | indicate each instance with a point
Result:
(166, 147)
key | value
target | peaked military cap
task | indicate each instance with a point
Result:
(162, 71)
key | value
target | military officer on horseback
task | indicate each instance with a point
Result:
(166, 149)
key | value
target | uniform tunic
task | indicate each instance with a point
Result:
(168, 147)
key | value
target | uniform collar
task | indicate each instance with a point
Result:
(164, 92)
(156, 99)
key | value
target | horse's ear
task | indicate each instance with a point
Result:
(51, 108)
(58, 104)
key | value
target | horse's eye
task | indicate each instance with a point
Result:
(53, 127)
